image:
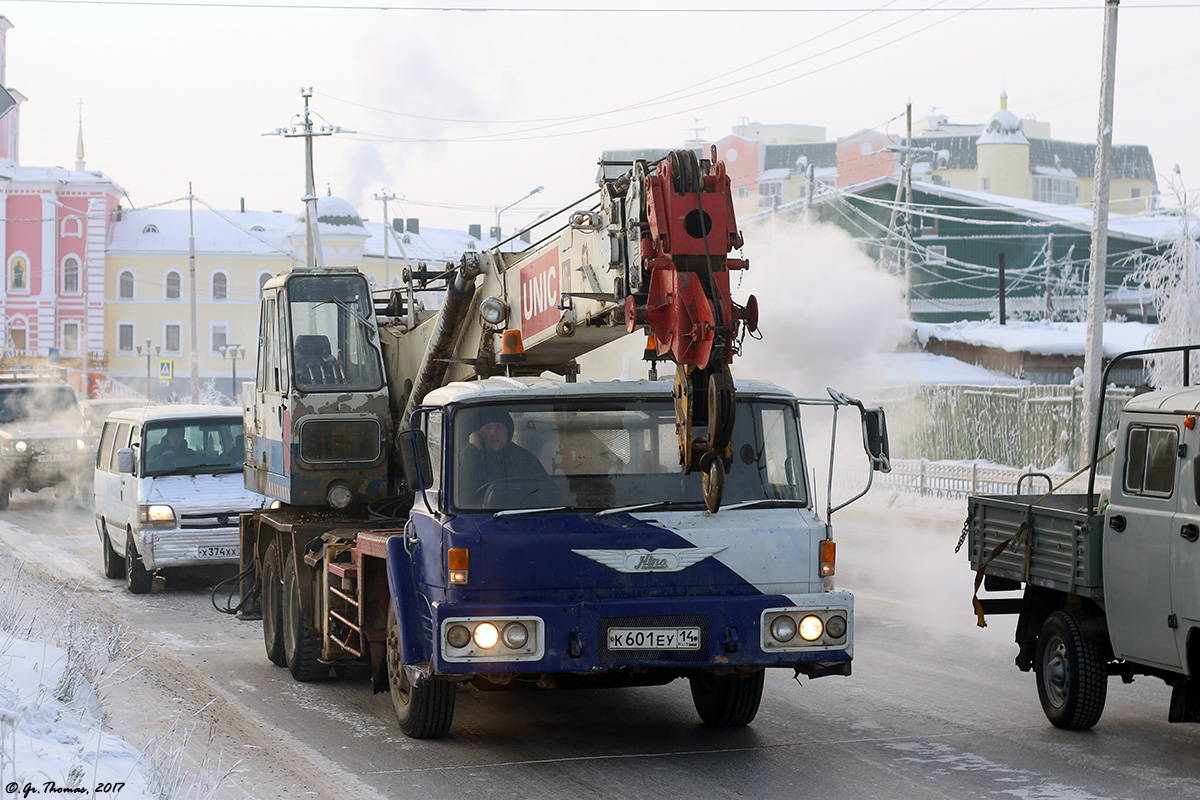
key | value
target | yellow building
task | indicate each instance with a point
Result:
(148, 279)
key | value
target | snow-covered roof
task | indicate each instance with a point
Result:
(777, 174)
(1039, 338)
(157, 230)
(534, 388)
(926, 368)
(1147, 229)
(54, 175)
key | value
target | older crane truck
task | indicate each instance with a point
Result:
(1110, 588)
(452, 511)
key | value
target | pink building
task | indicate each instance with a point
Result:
(52, 238)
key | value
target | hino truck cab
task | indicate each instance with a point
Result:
(317, 416)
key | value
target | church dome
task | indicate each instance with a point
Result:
(1004, 127)
(334, 213)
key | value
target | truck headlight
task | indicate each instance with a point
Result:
(515, 635)
(156, 513)
(811, 628)
(22, 446)
(486, 635)
(836, 627)
(339, 495)
(783, 628)
(458, 636)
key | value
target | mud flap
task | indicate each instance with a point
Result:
(1185, 701)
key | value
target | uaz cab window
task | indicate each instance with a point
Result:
(1150, 455)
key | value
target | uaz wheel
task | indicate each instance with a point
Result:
(1071, 677)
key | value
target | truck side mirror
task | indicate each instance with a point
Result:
(875, 437)
(414, 459)
(125, 461)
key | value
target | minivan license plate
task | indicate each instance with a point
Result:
(217, 552)
(653, 638)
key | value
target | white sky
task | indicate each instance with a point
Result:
(176, 92)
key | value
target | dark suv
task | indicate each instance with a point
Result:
(43, 439)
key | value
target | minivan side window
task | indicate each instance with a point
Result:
(1150, 456)
(104, 451)
(121, 440)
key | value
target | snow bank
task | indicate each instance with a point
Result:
(1040, 338)
(48, 745)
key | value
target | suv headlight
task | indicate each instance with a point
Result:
(156, 513)
(22, 446)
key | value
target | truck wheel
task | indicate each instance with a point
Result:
(727, 701)
(271, 592)
(425, 711)
(303, 653)
(1071, 677)
(137, 578)
(114, 565)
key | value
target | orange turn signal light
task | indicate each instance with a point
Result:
(828, 558)
(458, 565)
(1189, 423)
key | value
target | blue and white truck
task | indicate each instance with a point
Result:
(449, 510)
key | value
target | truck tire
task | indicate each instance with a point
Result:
(727, 701)
(303, 653)
(425, 711)
(138, 579)
(271, 592)
(1071, 677)
(114, 565)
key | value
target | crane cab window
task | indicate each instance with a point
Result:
(332, 330)
(1150, 456)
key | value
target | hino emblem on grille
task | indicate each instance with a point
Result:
(223, 519)
(662, 560)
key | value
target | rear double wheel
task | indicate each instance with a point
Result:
(1072, 678)
(303, 652)
(425, 710)
(727, 701)
(271, 594)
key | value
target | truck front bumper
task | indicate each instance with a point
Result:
(679, 633)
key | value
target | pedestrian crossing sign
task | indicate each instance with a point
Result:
(166, 369)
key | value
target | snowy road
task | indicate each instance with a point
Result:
(935, 708)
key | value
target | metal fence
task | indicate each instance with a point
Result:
(957, 480)
(1035, 425)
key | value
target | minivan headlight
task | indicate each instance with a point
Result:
(156, 513)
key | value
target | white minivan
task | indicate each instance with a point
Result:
(169, 489)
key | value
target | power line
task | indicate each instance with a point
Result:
(293, 6)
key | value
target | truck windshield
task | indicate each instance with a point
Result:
(27, 403)
(612, 454)
(332, 334)
(193, 447)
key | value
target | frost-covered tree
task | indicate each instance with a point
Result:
(1172, 279)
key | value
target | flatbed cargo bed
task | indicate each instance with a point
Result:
(1052, 541)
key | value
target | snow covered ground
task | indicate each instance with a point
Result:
(52, 738)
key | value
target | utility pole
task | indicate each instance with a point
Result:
(904, 188)
(302, 126)
(1001, 286)
(192, 269)
(1094, 350)
(387, 271)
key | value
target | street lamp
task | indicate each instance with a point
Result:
(232, 353)
(500, 211)
(157, 351)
